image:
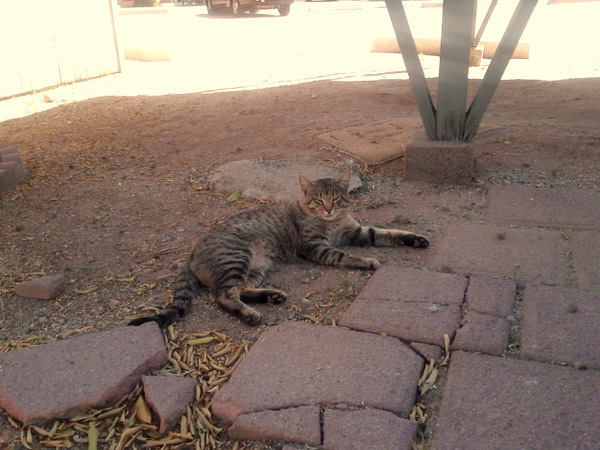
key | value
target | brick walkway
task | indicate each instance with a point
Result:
(518, 296)
(533, 263)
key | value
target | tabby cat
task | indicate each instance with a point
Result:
(233, 257)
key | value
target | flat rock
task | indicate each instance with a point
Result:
(561, 324)
(168, 397)
(277, 180)
(367, 428)
(551, 207)
(43, 288)
(302, 424)
(494, 402)
(298, 364)
(61, 379)
(482, 333)
(505, 252)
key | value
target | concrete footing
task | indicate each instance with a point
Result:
(448, 162)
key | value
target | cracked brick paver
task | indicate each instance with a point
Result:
(65, 378)
(296, 364)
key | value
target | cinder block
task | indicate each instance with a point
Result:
(449, 162)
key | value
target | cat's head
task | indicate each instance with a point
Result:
(327, 198)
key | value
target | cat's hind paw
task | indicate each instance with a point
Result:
(251, 316)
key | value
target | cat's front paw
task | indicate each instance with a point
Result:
(420, 241)
(371, 263)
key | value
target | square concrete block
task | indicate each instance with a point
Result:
(449, 162)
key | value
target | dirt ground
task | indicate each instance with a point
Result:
(117, 189)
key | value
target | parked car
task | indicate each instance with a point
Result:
(239, 7)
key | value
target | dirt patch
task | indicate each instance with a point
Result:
(118, 188)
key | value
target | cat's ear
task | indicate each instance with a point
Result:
(344, 178)
(305, 183)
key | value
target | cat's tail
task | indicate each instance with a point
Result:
(186, 287)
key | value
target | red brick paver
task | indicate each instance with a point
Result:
(550, 207)
(561, 324)
(65, 378)
(492, 402)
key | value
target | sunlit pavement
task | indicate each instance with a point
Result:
(318, 40)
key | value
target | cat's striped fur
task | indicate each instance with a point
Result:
(233, 257)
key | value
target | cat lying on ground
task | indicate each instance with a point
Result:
(233, 257)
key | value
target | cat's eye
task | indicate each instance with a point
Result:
(318, 201)
(336, 199)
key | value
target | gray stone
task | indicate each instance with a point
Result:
(168, 397)
(300, 364)
(43, 288)
(482, 333)
(491, 295)
(561, 324)
(552, 207)
(276, 180)
(61, 379)
(367, 429)
(493, 402)
(503, 252)
(302, 424)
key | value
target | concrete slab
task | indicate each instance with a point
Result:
(301, 424)
(492, 402)
(277, 180)
(491, 295)
(61, 379)
(393, 282)
(482, 333)
(585, 250)
(298, 364)
(561, 324)
(367, 428)
(504, 252)
(375, 143)
(551, 207)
